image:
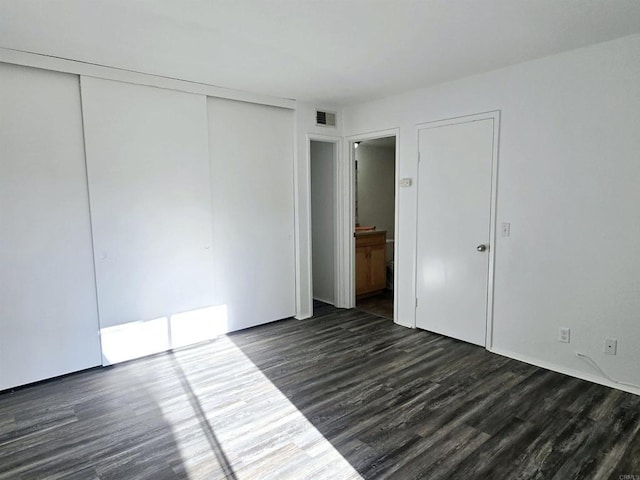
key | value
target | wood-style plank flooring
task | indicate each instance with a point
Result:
(344, 395)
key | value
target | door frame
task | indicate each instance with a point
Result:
(338, 257)
(347, 238)
(495, 116)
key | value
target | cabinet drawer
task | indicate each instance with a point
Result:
(374, 238)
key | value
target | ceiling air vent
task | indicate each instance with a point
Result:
(327, 119)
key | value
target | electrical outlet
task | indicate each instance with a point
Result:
(610, 346)
(506, 229)
(564, 335)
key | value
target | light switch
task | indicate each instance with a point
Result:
(506, 229)
(405, 182)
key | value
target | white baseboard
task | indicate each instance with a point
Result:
(566, 371)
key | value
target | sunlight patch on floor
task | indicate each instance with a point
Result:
(258, 431)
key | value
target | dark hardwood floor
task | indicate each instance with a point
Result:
(344, 395)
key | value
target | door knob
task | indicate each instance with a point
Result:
(482, 247)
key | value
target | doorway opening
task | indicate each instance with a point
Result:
(375, 224)
(323, 159)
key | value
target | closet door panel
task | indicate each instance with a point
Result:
(148, 166)
(251, 152)
(48, 311)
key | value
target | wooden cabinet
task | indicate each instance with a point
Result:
(371, 262)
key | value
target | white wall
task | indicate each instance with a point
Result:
(48, 310)
(323, 180)
(376, 189)
(569, 183)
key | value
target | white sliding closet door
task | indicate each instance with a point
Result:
(251, 150)
(48, 311)
(148, 166)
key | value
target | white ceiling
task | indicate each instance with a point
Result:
(317, 50)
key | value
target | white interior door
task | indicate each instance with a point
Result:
(454, 214)
(48, 310)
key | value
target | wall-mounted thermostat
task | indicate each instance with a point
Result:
(405, 182)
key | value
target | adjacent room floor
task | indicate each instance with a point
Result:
(380, 304)
(343, 395)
